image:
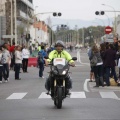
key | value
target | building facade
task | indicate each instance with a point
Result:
(24, 12)
(118, 26)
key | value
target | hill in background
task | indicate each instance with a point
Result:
(71, 23)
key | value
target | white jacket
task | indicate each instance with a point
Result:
(5, 56)
(25, 53)
(18, 57)
(1, 59)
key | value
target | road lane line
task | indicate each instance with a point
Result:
(108, 95)
(16, 96)
(77, 95)
(79, 59)
(85, 85)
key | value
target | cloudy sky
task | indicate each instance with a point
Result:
(77, 9)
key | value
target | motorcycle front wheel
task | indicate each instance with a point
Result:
(59, 98)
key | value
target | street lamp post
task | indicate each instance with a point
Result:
(108, 19)
(83, 40)
(15, 15)
(11, 21)
(35, 21)
(90, 41)
(114, 14)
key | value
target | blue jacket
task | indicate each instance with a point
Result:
(43, 53)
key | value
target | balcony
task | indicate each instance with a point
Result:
(22, 15)
(28, 3)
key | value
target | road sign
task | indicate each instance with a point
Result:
(109, 38)
(108, 29)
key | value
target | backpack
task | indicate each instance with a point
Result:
(40, 57)
(93, 61)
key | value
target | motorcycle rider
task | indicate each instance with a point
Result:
(59, 53)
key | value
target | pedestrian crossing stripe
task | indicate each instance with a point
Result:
(44, 95)
(77, 95)
(81, 94)
(108, 95)
(17, 96)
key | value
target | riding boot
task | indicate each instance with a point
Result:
(47, 84)
(68, 82)
(101, 81)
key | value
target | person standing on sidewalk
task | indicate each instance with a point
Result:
(89, 52)
(6, 58)
(18, 62)
(41, 61)
(109, 63)
(98, 67)
(25, 56)
(1, 66)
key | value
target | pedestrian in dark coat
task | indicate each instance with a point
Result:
(109, 63)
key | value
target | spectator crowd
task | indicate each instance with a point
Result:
(103, 61)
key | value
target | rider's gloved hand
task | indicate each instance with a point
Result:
(72, 64)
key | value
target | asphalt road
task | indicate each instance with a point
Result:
(26, 99)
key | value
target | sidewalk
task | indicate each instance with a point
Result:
(102, 89)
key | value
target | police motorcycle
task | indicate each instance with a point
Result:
(59, 69)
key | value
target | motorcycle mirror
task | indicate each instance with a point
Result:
(74, 58)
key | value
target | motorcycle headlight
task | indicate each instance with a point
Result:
(64, 72)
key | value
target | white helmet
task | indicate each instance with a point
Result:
(59, 42)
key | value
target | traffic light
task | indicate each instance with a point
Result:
(57, 14)
(102, 12)
(27, 37)
(54, 14)
(63, 25)
(99, 12)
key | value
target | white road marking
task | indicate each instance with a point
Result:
(108, 95)
(77, 95)
(78, 65)
(16, 96)
(117, 98)
(85, 85)
(73, 95)
(44, 95)
(79, 59)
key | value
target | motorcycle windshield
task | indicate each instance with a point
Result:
(59, 61)
(60, 65)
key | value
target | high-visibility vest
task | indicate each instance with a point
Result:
(39, 48)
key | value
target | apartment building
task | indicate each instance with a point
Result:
(118, 26)
(24, 13)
